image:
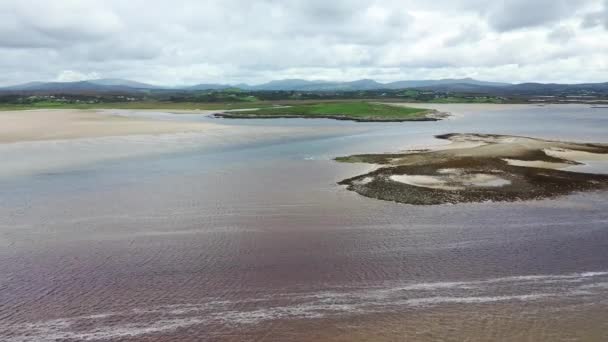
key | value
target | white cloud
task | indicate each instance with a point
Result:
(235, 41)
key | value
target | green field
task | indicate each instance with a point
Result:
(361, 111)
(344, 110)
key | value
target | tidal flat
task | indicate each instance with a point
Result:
(242, 233)
(479, 168)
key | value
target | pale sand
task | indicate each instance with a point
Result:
(452, 180)
(431, 182)
(575, 155)
(509, 147)
(497, 168)
(32, 125)
(493, 146)
(536, 163)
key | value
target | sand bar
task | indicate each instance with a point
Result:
(33, 125)
(480, 168)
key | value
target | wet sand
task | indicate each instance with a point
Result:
(33, 125)
(491, 322)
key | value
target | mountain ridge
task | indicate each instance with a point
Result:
(283, 84)
(465, 85)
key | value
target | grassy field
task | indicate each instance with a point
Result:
(339, 109)
(363, 111)
(138, 105)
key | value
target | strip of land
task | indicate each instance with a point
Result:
(478, 168)
(152, 105)
(354, 111)
(31, 125)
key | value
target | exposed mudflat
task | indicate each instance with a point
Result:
(478, 168)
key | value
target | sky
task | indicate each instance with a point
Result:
(184, 42)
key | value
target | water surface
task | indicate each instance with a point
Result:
(247, 237)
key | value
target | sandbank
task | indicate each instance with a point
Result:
(34, 125)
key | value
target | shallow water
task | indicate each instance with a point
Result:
(247, 237)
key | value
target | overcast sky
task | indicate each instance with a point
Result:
(230, 41)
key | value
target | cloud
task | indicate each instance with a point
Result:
(517, 14)
(597, 18)
(31, 23)
(467, 35)
(237, 41)
(72, 76)
(562, 34)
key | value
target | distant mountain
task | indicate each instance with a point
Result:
(24, 86)
(210, 86)
(554, 88)
(289, 84)
(464, 85)
(80, 86)
(111, 84)
(123, 83)
(106, 85)
(443, 82)
(526, 89)
(364, 84)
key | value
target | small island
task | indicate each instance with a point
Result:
(354, 111)
(479, 168)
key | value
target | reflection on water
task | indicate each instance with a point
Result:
(204, 239)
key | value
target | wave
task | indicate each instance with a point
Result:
(307, 305)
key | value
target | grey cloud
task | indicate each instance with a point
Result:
(250, 41)
(597, 18)
(606, 14)
(562, 34)
(30, 23)
(123, 48)
(469, 34)
(517, 14)
(593, 20)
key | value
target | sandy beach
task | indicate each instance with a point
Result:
(48, 124)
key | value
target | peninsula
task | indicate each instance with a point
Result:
(353, 111)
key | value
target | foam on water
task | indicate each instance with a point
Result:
(316, 305)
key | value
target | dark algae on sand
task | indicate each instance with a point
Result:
(479, 168)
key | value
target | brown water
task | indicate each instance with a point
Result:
(256, 243)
